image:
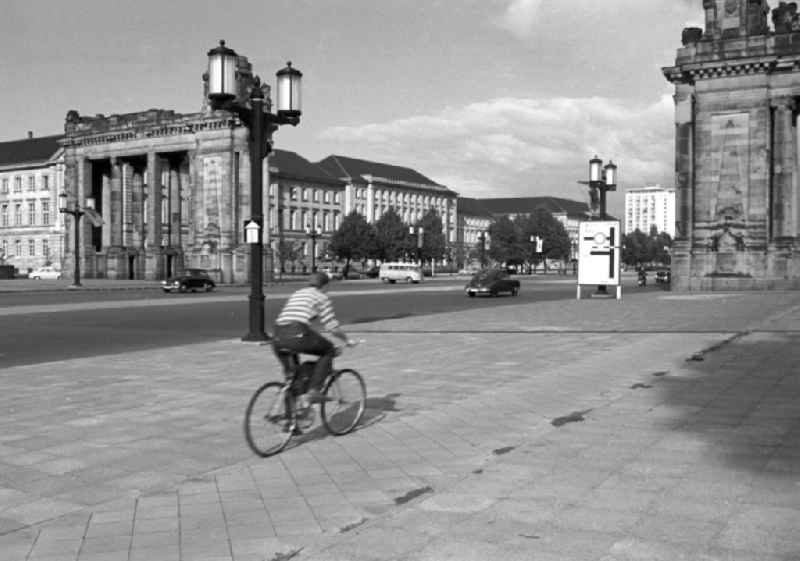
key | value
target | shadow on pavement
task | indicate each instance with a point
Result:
(740, 401)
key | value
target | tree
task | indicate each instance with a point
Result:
(355, 239)
(286, 250)
(433, 241)
(504, 244)
(641, 248)
(390, 237)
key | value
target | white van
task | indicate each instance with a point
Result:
(393, 272)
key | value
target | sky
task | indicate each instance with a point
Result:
(492, 98)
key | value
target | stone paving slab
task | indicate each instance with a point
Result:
(146, 458)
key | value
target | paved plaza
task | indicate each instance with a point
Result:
(665, 426)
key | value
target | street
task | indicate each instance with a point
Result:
(58, 325)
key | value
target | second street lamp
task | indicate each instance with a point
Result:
(223, 91)
(601, 180)
(77, 213)
(313, 233)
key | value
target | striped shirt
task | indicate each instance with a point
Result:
(306, 305)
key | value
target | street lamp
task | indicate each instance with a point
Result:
(419, 232)
(482, 247)
(222, 93)
(76, 212)
(313, 233)
(601, 180)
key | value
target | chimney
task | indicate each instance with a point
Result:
(30, 134)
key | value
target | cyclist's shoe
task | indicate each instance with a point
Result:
(296, 431)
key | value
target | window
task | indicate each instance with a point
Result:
(326, 197)
(45, 212)
(18, 215)
(31, 248)
(18, 184)
(4, 246)
(5, 186)
(18, 248)
(336, 198)
(4, 215)
(31, 213)
(31, 183)
(316, 195)
(305, 194)
(45, 183)
(294, 193)
(45, 248)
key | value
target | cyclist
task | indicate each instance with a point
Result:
(293, 329)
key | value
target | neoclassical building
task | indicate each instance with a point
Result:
(31, 177)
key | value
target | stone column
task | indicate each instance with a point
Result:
(174, 196)
(154, 201)
(84, 190)
(137, 209)
(783, 168)
(116, 203)
(106, 210)
(127, 203)
(154, 265)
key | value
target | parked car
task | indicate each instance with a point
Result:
(191, 279)
(491, 282)
(45, 273)
(663, 276)
(371, 273)
(332, 274)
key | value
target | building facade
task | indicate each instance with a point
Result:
(737, 82)
(648, 207)
(31, 177)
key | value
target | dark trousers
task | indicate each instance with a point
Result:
(300, 338)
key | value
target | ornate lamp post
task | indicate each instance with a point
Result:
(222, 93)
(313, 233)
(76, 212)
(601, 180)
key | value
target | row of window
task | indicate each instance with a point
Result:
(30, 183)
(12, 216)
(310, 194)
(25, 248)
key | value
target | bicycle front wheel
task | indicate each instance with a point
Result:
(344, 401)
(268, 422)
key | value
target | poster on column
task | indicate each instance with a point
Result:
(599, 251)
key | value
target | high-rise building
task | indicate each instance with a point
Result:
(650, 206)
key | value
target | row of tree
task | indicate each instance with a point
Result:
(511, 239)
(652, 248)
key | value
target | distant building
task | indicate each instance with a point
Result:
(373, 187)
(31, 177)
(650, 206)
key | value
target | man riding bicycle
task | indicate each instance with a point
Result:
(293, 329)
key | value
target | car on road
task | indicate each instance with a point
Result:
(45, 273)
(663, 276)
(371, 273)
(392, 272)
(491, 282)
(331, 272)
(190, 280)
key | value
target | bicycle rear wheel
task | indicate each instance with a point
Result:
(268, 421)
(344, 401)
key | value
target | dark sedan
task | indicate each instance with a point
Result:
(191, 279)
(491, 282)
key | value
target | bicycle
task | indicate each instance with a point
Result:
(274, 414)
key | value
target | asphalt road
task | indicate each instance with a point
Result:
(99, 323)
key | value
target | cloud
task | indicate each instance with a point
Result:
(519, 17)
(519, 146)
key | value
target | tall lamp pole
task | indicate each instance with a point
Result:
(76, 212)
(601, 180)
(313, 233)
(482, 240)
(419, 231)
(223, 93)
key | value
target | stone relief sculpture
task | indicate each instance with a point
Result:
(785, 17)
(732, 172)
